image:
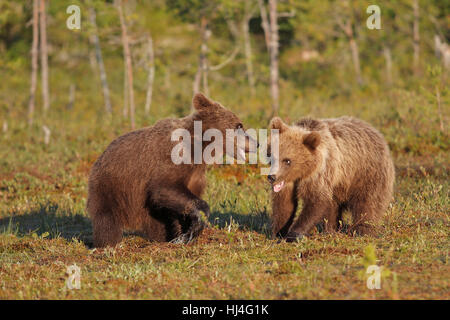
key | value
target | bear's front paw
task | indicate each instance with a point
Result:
(181, 239)
(204, 207)
(293, 236)
(195, 229)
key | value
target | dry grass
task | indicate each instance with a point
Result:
(45, 230)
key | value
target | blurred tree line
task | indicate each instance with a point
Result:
(259, 53)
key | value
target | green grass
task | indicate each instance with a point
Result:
(44, 229)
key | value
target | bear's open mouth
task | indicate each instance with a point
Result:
(277, 187)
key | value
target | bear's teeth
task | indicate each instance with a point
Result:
(278, 186)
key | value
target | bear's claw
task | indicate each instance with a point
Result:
(184, 238)
(293, 236)
(187, 237)
(203, 206)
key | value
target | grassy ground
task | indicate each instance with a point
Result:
(43, 223)
(44, 229)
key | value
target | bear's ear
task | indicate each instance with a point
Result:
(312, 140)
(200, 101)
(277, 123)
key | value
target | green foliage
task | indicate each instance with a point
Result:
(370, 257)
(43, 223)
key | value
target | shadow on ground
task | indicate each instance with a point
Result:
(48, 220)
(258, 222)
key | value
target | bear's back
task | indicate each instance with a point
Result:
(134, 145)
(356, 133)
(136, 155)
(346, 130)
(357, 147)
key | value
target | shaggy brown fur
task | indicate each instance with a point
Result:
(332, 165)
(134, 185)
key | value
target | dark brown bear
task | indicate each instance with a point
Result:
(332, 165)
(134, 185)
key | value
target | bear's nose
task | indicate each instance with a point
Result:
(271, 177)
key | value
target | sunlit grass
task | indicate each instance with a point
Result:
(44, 229)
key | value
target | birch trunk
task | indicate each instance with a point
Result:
(270, 27)
(204, 55)
(438, 100)
(71, 100)
(197, 79)
(47, 133)
(129, 67)
(201, 77)
(355, 58)
(34, 61)
(354, 49)
(388, 58)
(99, 59)
(264, 23)
(248, 48)
(416, 38)
(125, 89)
(151, 74)
(274, 75)
(44, 55)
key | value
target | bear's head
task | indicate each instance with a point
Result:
(298, 155)
(215, 116)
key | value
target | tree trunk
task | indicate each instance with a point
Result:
(201, 77)
(388, 58)
(125, 89)
(92, 58)
(129, 67)
(355, 57)
(44, 56)
(47, 133)
(99, 59)
(264, 23)
(438, 100)
(270, 27)
(204, 55)
(34, 61)
(248, 48)
(71, 100)
(274, 89)
(416, 38)
(151, 74)
(442, 51)
(197, 79)
(354, 49)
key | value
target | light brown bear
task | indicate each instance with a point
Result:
(135, 185)
(332, 165)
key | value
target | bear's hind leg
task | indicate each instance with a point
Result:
(339, 218)
(365, 215)
(107, 232)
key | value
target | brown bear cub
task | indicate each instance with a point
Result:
(332, 165)
(134, 185)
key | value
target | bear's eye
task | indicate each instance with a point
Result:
(287, 162)
(239, 126)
